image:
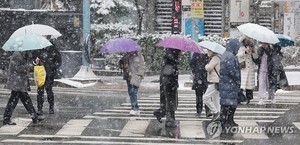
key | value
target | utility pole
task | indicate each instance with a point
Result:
(86, 72)
(86, 32)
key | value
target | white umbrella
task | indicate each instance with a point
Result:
(213, 46)
(37, 29)
(258, 32)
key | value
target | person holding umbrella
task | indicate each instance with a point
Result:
(246, 53)
(197, 64)
(268, 71)
(211, 97)
(168, 88)
(133, 66)
(18, 82)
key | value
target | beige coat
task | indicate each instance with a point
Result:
(247, 73)
(212, 75)
(136, 69)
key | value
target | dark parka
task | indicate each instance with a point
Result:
(274, 65)
(18, 70)
(169, 80)
(197, 64)
(230, 76)
(50, 58)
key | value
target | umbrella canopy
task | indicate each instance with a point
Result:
(258, 32)
(26, 42)
(181, 43)
(120, 45)
(37, 29)
(213, 46)
(285, 40)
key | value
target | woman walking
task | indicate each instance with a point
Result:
(269, 69)
(246, 54)
(211, 97)
(197, 64)
(168, 88)
(230, 81)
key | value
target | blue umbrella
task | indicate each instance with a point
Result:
(285, 40)
(24, 42)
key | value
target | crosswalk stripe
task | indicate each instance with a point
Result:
(74, 127)
(22, 123)
(191, 129)
(133, 139)
(192, 113)
(193, 105)
(252, 135)
(135, 128)
(177, 118)
(297, 124)
(194, 108)
(184, 115)
(87, 142)
(194, 101)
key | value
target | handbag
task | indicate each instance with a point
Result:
(136, 80)
(241, 97)
(39, 75)
(242, 64)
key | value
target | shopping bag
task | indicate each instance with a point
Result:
(39, 75)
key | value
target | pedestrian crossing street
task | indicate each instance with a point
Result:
(116, 126)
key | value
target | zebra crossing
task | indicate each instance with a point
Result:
(116, 126)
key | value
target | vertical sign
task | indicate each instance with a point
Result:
(197, 9)
(239, 10)
(289, 21)
(176, 22)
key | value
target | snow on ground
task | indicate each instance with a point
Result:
(152, 81)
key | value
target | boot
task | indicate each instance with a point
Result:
(51, 109)
(231, 116)
(249, 95)
(170, 119)
(207, 112)
(8, 122)
(159, 113)
(199, 109)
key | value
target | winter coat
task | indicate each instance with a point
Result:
(281, 79)
(136, 68)
(230, 77)
(248, 72)
(274, 65)
(18, 70)
(169, 80)
(197, 64)
(51, 59)
(213, 69)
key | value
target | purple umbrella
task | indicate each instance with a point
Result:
(120, 45)
(181, 43)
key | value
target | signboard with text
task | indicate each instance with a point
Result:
(176, 17)
(239, 10)
(289, 23)
(197, 9)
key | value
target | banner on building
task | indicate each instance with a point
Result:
(239, 10)
(189, 26)
(197, 9)
(176, 13)
(289, 23)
